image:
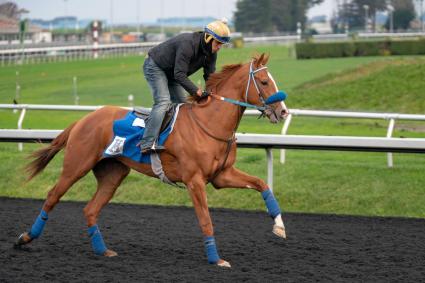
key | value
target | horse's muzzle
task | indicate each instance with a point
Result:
(277, 114)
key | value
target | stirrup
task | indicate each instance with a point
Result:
(153, 148)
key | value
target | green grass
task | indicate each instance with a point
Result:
(310, 181)
(110, 81)
(392, 86)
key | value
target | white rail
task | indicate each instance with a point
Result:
(268, 142)
(293, 112)
(268, 39)
(76, 47)
(391, 35)
(68, 53)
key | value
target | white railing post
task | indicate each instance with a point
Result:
(389, 135)
(75, 90)
(131, 100)
(269, 154)
(283, 132)
(20, 121)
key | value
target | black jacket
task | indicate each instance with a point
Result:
(183, 55)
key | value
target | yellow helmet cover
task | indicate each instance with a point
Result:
(217, 30)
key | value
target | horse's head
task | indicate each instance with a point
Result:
(261, 90)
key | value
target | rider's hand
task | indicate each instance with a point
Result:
(205, 94)
(199, 92)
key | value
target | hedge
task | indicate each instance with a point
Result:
(310, 50)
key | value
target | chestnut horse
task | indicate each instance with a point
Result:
(200, 149)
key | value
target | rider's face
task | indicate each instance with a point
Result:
(216, 46)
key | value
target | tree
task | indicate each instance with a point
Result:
(253, 16)
(353, 13)
(373, 7)
(11, 10)
(404, 13)
(348, 15)
(271, 15)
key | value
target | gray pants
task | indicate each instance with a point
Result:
(164, 93)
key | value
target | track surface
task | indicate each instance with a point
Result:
(165, 244)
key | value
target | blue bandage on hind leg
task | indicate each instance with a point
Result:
(38, 226)
(211, 250)
(97, 242)
(271, 203)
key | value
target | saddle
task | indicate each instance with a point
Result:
(143, 113)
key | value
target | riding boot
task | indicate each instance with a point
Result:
(148, 143)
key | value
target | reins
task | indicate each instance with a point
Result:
(237, 102)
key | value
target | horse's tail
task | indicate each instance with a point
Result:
(43, 156)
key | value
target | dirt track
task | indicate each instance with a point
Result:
(165, 244)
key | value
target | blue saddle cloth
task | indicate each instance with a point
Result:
(127, 134)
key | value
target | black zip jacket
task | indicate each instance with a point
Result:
(183, 55)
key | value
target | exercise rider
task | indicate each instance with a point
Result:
(167, 68)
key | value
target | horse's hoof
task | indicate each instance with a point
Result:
(110, 253)
(23, 239)
(279, 231)
(223, 263)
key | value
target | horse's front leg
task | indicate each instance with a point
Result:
(196, 188)
(234, 178)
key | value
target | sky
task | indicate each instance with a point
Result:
(133, 11)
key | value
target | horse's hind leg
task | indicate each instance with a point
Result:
(53, 197)
(69, 176)
(109, 174)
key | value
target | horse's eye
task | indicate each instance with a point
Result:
(264, 82)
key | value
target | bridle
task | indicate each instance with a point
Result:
(278, 96)
(251, 77)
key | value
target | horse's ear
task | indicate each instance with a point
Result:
(259, 59)
(266, 59)
(262, 59)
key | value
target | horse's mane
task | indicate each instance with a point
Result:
(216, 78)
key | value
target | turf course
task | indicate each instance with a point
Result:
(310, 181)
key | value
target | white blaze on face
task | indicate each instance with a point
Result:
(273, 81)
(276, 90)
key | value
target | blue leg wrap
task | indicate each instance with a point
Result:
(271, 203)
(97, 242)
(211, 250)
(37, 227)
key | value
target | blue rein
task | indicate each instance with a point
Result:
(277, 97)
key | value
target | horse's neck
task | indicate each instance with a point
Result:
(221, 117)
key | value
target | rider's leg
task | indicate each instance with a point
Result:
(158, 84)
(177, 92)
